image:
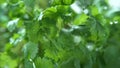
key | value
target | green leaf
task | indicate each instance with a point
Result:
(67, 2)
(56, 2)
(77, 63)
(62, 9)
(112, 56)
(2, 1)
(43, 63)
(85, 3)
(94, 10)
(59, 23)
(49, 12)
(69, 63)
(51, 54)
(53, 32)
(28, 64)
(32, 29)
(29, 3)
(99, 33)
(81, 19)
(101, 19)
(62, 2)
(7, 61)
(30, 50)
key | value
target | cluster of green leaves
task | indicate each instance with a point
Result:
(51, 34)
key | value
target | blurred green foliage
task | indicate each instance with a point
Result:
(59, 34)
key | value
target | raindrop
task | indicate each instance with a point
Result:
(115, 22)
(111, 23)
(86, 11)
(105, 8)
(90, 46)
